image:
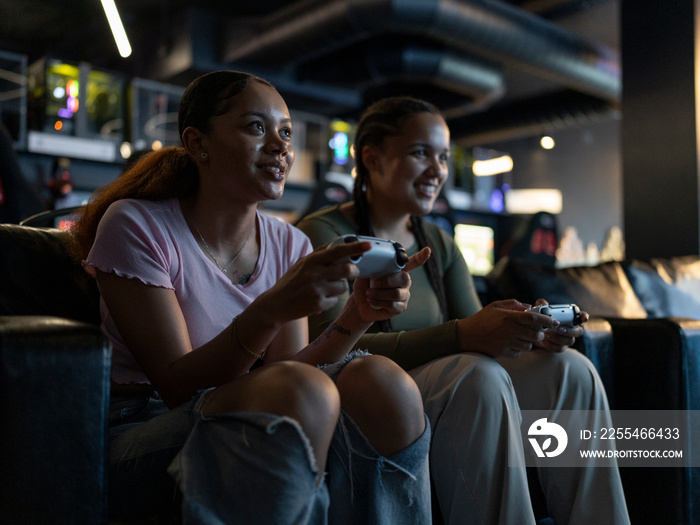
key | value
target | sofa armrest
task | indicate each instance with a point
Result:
(597, 344)
(54, 386)
(657, 363)
(657, 367)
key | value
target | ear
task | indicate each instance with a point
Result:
(192, 141)
(370, 158)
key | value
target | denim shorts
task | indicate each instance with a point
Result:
(253, 456)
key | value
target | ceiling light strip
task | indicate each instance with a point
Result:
(115, 24)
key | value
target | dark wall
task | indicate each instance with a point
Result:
(586, 166)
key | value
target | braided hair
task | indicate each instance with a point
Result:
(385, 119)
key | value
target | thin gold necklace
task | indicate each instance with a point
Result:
(224, 268)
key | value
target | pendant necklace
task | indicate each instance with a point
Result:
(224, 269)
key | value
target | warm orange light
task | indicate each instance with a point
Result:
(58, 125)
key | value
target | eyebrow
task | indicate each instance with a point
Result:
(262, 116)
(424, 145)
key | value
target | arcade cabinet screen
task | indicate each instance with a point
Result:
(62, 97)
(477, 246)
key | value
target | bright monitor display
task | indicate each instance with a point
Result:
(477, 246)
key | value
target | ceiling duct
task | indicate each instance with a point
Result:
(496, 31)
(458, 83)
(480, 84)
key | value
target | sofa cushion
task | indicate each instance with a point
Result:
(602, 290)
(38, 276)
(667, 287)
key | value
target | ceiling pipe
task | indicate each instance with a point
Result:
(458, 84)
(480, 84)
(310, 29)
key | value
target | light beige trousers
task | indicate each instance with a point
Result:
(474, 402)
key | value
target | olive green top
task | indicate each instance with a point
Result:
(419, 335)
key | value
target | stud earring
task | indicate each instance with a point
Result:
(203, 155)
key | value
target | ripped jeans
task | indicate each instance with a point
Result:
(250, 467)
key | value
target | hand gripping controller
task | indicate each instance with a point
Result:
(566, 314)
(385, 257)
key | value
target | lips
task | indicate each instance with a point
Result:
(276, 169)
(427, 189)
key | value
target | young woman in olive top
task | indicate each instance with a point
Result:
(477, 367)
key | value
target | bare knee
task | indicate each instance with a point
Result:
(296, 390)
(384, 402)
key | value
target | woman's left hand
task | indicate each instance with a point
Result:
(556, 339)
(385, 297)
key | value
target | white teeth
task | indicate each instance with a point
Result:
(427, 188)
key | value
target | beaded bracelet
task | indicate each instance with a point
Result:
(242, 344)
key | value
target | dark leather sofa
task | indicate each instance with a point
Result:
(652, 362)
(54, 384)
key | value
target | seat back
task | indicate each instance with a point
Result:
(39, 277)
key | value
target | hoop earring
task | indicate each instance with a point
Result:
(203, 154)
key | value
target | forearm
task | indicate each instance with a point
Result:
(412, 348)
(227, 356)
(338, 339)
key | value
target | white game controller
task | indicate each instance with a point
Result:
(384, 258)
(566, 314)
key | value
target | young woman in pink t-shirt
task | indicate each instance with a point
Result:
(218, 400)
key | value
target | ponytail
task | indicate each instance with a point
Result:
(158, 175)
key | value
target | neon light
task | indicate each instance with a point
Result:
(72, 88)
(339, 144)
(59, 92)
(497, 201)
(340, 125)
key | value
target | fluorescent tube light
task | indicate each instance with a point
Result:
(534, 200)
(495, 166)
(115, 24)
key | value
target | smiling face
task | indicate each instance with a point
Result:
(408, 171)
(249, 147)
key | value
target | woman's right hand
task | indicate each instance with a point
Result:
(313, 284)
(503, 328)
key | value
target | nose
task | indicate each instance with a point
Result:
(438, 167)
(278, 145)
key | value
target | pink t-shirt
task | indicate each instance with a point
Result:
(150, 241)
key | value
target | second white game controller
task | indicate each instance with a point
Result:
(566, 314)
